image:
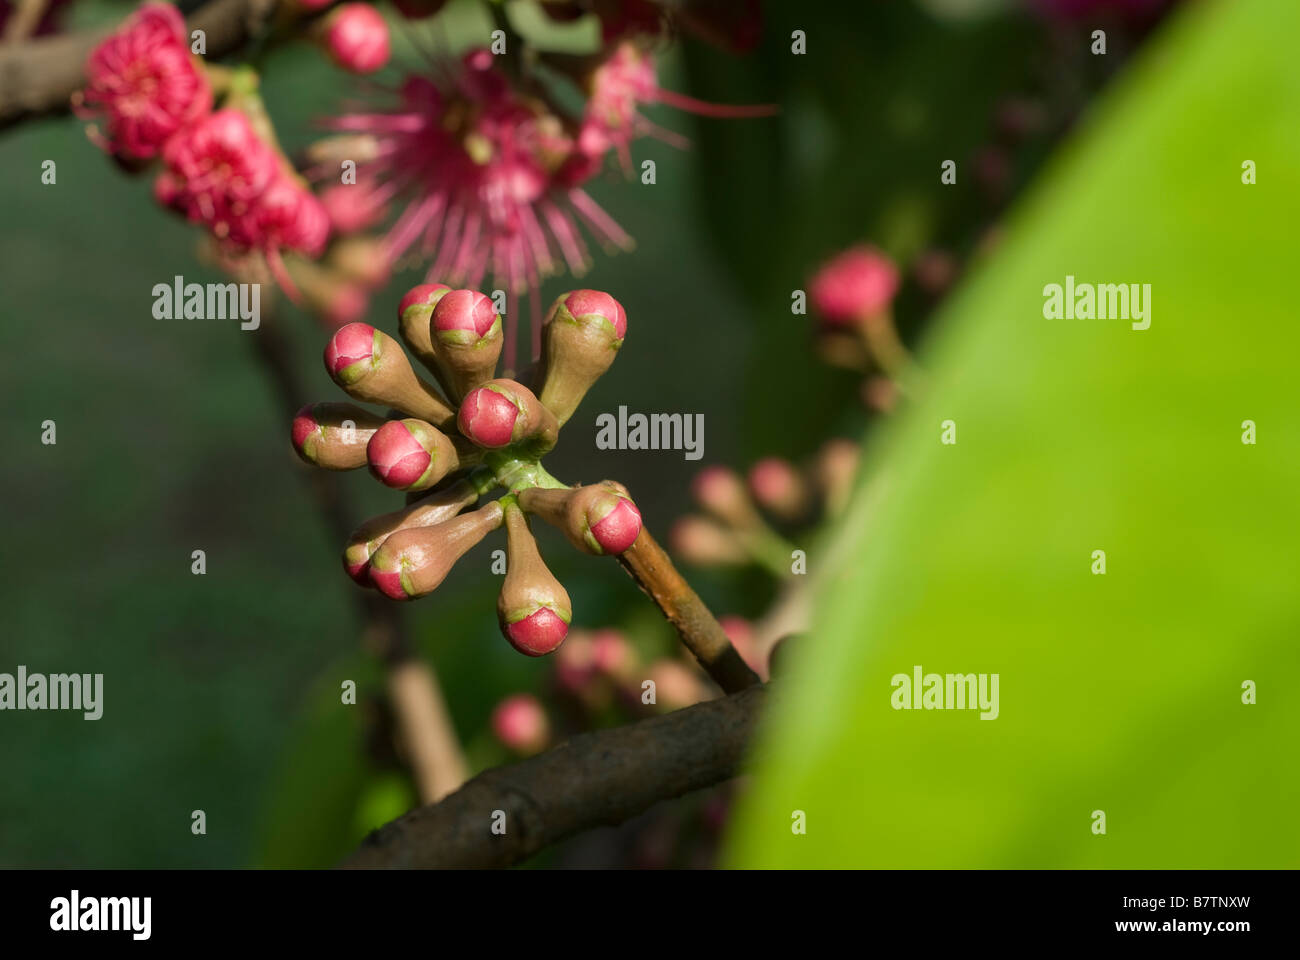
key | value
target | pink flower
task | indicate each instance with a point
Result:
(519, 722)
(222, 174)
(617, 86)
(356, 37)
(856, 285)
(481, 169)
(145, 83)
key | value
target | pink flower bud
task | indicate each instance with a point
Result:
(676, 685)
(350, 352)
(721, 491)
(583, 304)
(537, 634)
(854, 286)
(425, 295)
(598, 519)
(410, 455)
(396, 457)
(464, 316)
(333, 435)
(520, 723)
(611, 654)
(575, 664)
(357, 37)
(487, 418)
(777, 486)
(413, 561)
(703, 542)
(619, 526)
(533, 607)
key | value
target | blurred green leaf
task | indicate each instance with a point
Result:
(1119, 692)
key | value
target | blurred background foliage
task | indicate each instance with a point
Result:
(1121, 693)
(222, 691)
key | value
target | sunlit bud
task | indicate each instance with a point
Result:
(370, 366)
(334, 435)
(533, 608)
(411, 455)
(582, 334)
(412, 562)
(431, 509)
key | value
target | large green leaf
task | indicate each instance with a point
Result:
(1119, 692)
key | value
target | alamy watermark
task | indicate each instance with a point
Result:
(212, 301)
(951, 691)
(656, 431)
(57, 691)
(76, 913)
(1098, 301)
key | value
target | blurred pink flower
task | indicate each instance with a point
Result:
(221, 174)
(483, 171)
(856, 284)
(144, 82)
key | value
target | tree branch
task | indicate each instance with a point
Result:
(38, 78)
(595, 779)
(652, 569)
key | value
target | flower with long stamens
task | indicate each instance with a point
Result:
(145, 83)
(478, 164)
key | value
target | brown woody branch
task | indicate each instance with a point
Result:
(647, 563)
(38, 77)
(595, 779)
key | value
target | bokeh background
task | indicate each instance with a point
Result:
(222, 690)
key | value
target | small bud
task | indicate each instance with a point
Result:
(502, 412)
(596, 519)
(575, 664)
(411, 455)
(705, 543)
(721, 491)
(520, 723)
(533, 608)
(834, 471)
(467, 339)
(677, 685)
(412, 562)
(414, 314)
(854, 287)
(612, 655)
(778, 487)
(371, 367)
(356, 37)
(429, 510)
(321, 435)
(583, 332)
